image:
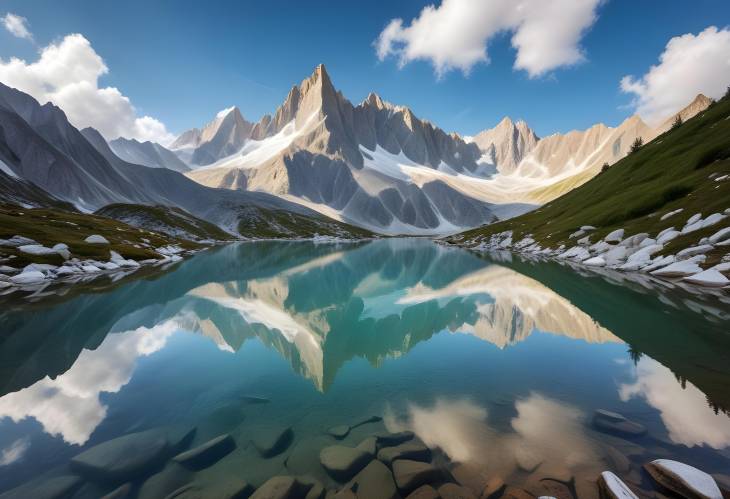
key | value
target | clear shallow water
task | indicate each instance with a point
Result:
(496, 365)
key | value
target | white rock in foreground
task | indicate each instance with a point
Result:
(666, 236)
(36, 249)
(615, 236)
(28, 277)
(678, 269)
(671, 213)
(694, 250)
(683, 479)
(96, 239)
(720, 235)
(612, 487)
(596, 261)
(710, 277)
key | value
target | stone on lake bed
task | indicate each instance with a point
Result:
(415, 451)
(339, 432)
(123, 458)
(617, 424)
(208, 453)
(454, 491)
(342, 463)
(683, 479)
(369, 445)
(409, 475)
(375, 481)
(271, 442)
(50, 488)
(612, 487)
(121, 492)
(424, 492)
(386, 439)
(516, 493)
(281, 487)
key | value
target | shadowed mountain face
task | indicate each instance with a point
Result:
(41, 151)
(374, 164)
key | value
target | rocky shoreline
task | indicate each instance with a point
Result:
(635, 253)
(361, 460)
(35, 276)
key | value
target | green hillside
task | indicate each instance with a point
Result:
(679, 169)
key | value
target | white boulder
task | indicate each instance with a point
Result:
(720, 235)
(96, 239)
(683, 479)
(678, 269)
(614, 237)
(671, 213)
(28, 277)
(693, 251)
(596, 261)
(36, 249)
(666, 236)
(709, 277)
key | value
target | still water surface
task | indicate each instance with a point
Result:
(496, 365)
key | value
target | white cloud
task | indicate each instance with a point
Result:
(14, 452)
(690, 64)
(67, 73)
(70, 405)
(455, 34)
(17, 26)
(684, 411)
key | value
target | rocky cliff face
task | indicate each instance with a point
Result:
(356, 162)
(506, 144)
(147, 153)
(222, 137)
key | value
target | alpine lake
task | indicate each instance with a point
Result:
(339, 366)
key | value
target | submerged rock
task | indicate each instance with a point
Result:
(424, 492)
(342, 463)
(271, 442)
(612, 422)
(683, 479)
(375, 481)
(612, 487)
(282, 487)
(454, 491)
(414, 451)
(409, 475)
(121, 492)
(123, 458)
(369, 445)
(57, 487)
(339, 432)
(386, 439)
(208, 453)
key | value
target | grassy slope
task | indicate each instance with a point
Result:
(278, 224)
(50, 226)
(668, 173)
(164, 219)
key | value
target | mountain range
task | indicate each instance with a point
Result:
(374, 165)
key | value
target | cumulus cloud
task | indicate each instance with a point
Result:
(17, 26)
(70, 405)
(455, 34)
(67, 73)
(690, 64)
(684, 411)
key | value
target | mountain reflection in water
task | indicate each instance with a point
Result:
(538, 348)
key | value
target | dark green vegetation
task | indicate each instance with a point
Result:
(676, 170)
(168, 220)
(275, 224)
(49, 226)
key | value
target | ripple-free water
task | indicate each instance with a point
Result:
(497, 366)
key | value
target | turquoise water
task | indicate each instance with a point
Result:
(496, 364)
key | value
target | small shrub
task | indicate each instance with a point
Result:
(636, 145)
(605, 167)
(716, 153)
(677, 122)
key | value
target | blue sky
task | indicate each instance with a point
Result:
(182, 61)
